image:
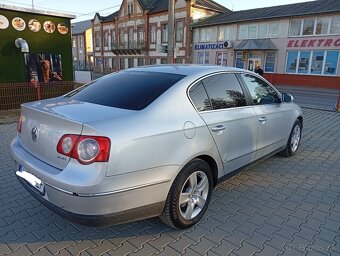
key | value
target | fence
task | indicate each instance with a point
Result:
(12, 95)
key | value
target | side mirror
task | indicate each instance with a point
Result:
(287, 97)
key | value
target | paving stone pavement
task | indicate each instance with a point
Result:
(280, 206)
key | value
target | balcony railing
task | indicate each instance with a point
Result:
(128, 48)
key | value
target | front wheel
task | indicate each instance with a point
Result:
(294, 140)
(189, 195)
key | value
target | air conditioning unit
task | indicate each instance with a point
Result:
(228, 44)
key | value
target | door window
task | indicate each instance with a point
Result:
(261, 92)
(224, 91)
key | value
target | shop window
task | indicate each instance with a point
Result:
(270, 62)
(179, 31)
(308, 27)
(223, 33)
(322, 62)
(331, 65)
(335, 25)
(153, 34)
(295, 27)
(317, 62)
(322, 25)
(203, 58)
(240, 58)
(164, 33)
(221, 58)
(292, 58)
(304, 62)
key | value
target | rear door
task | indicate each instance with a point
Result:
(222, 104)
(272, 117)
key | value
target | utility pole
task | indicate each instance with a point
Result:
(32, 4)
(171, 26)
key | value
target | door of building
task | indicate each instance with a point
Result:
(253, 62)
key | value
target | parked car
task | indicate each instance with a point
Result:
(150, 141)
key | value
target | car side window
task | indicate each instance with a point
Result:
(224, 91)
(199, 97)
(261, 92)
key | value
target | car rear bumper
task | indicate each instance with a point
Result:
(126, 200)
(133, 214)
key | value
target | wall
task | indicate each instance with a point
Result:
(12, 65)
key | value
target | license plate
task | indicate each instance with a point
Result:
(31, 179)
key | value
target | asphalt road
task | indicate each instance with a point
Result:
(312, 97)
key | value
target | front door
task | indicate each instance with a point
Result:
(253, 63)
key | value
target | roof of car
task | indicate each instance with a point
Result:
(185, 69)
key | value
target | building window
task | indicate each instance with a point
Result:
(206, 34)
(223, 33)
(140, 36)
(258, 30)
(179, 31)
(312, 62)
(130, 38)
(164, 33)
(113, 39)
(121, 63)
(222, 58)
(140, 62)
(335, 25)
(121, 37)
(308, 27)
(315, 26)
(106, 39)
(74, 43)
(81, 42)
(179, 60)
(164, 61)
(203, 58)
(130, 8)
(97, 40)
(270, 62)
(240, 59)
(153, 34)
(106, 63)
(153, 61)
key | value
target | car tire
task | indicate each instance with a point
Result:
(189, 195)
(293, 141)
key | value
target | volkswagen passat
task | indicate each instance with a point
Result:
(150, 141)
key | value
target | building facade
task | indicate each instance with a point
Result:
(138, 33)
(82, 49)
(297, 44)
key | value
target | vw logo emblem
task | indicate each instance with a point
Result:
(34, 133)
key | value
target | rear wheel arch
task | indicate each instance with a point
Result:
(213, 166)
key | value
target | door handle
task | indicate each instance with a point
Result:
(218, 128)
(262, 120)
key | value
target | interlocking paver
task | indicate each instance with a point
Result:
(285, 206)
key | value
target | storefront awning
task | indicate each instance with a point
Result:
(256, 44)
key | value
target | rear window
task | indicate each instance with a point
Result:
(133, 90)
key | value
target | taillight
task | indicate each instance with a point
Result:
(19, 124)
(86, 149)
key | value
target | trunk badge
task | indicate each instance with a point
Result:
(34, 133)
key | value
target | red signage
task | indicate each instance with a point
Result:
(313, 43)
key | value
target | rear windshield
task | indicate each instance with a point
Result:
(132, 90)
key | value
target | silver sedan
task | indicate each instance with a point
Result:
(150, 141)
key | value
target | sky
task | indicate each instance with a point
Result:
(85, 9)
